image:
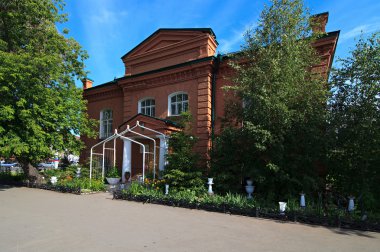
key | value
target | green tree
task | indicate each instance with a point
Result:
(40, 107)
(182, 171)
(279, 143)
(354, 122)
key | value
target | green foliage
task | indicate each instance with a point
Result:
(155, 184)
(136, 188)
(68, 177)
(71, 170)
(182, 171)
(230, 202)
(94, 185)
(53, 173)
(113, 173)
(238, 201)
(40, 106)
(354, 123)
(234, 157)
(188, 196)
(9, 177)
(280, 140)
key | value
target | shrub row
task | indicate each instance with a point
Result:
(208, 203)
(67, 185)
(57, 188)
(240, 205)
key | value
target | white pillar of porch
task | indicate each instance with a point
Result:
(163, 151)
(127, 158)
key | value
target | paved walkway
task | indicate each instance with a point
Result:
(39, 220)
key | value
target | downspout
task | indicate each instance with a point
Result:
(213, 92)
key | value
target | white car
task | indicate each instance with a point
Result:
(46, 165)
(9, 164)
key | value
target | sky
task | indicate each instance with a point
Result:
(107, 29)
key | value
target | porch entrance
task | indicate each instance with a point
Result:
(144, 148)
(137, 158)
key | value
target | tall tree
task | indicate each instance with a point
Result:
(354, 122)
(40, 107)
(182, 171)
(283, 110)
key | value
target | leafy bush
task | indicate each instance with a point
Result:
(83, 183)
(71, 170)
(9, 177)
(238, 201)
(155, 184)
(190, 197)
(182, 171)
(113, 173)
(52, 173)
(136, 188)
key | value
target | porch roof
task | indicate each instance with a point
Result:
(159, 124)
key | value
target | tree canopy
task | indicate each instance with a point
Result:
(41, 109)
(354, 122)
(283, 111)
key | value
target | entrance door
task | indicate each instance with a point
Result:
(137, 158)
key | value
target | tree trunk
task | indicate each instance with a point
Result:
(31, 172)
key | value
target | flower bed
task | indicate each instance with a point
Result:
(71, 185)
(239, 205)
(57, 188)
(205, 203)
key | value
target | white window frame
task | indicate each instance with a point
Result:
(150, 106)
(108, 123)
(182, 102)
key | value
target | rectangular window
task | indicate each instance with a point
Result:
(178, 103)
(105, 123)
(173, 110)
(179, 108)
(147, 107)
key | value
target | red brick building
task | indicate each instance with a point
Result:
(171, 71)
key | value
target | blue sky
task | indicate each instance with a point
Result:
(108, 29)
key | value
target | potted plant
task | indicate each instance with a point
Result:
(113, 176)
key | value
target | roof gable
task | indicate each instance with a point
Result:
(161, 125)
(169, 47)
(167, 36)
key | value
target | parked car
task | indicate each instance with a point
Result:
(9, 166)
(46, 165)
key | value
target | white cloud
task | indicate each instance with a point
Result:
(231, 44)
(355, 32)
(105, 16)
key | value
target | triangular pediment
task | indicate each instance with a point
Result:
(164, 38)
(161, 43)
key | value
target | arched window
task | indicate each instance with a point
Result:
(105, 123)
(147, 106)
(178, 103)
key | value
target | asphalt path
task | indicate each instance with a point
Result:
(39, 220)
